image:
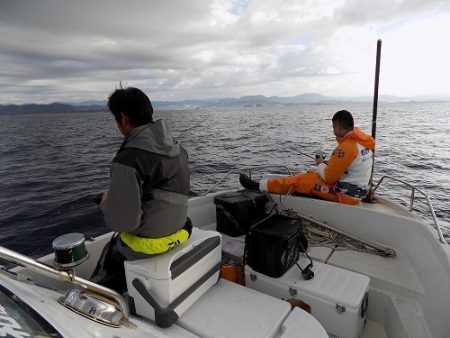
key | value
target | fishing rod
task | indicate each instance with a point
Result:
(312, 157)
(302, 153)
(370, 195)
(92, 199)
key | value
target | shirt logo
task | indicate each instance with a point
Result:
(339, 153)
(323, 189)
(173, 244)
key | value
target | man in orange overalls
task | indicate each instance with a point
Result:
(344, 178)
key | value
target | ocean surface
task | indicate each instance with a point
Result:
(52, 165)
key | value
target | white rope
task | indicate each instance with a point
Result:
(320, 234)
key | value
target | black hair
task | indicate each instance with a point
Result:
(133, 103)
(344, 118)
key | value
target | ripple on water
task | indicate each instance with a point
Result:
(41, 169)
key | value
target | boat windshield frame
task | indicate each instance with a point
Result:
(18, 319)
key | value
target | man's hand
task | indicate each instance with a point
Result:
(104, 198)
(101, 199)
(319, 159)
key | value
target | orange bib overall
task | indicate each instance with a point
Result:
(309, 183)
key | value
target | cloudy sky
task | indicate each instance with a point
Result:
(56, 50)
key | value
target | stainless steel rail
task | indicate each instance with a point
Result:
(249, 168)
(411, 202)
(65, 276)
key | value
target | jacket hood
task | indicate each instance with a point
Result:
(153, 137)
(360, 137)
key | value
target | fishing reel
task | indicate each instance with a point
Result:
(320, 154)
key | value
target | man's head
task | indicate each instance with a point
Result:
(131, 108)
(342, 123)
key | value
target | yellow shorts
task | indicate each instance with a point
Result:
(153, 246)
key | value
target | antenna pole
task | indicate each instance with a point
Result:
(370, 197)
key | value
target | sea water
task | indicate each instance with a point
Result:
(52, 165)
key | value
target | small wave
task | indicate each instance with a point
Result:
(41, 171)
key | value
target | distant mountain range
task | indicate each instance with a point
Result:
(47, 108)
(244, 101)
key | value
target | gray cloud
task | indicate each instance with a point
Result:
(356, 12)
(61, 50)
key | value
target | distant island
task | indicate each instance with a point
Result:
(47, 108)
(244, 101)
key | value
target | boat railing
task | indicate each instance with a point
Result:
(249, 169)
(65, 276)
(411, 201)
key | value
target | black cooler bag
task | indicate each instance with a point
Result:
(274, 245)
(237, 211)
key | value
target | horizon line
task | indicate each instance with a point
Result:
(324, 98)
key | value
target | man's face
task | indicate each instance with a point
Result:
(338, 130)
(124, 125)
(120, 126)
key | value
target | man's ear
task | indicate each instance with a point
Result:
(124, 120)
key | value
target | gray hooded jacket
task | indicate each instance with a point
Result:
(149, 184)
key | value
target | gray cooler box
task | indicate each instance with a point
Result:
(163, 287)
(338, 297)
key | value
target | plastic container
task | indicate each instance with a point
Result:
(338, 297)
(274, 245)
(165, 286)
(233, 272)
(236, 212)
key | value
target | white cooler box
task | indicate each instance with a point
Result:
(338, 297)
(229, 310)
(161, 288)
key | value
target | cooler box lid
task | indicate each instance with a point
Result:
(333, 283)
(173, 263)
(243, 198)
(229, 310)
(330, 283)
(277, 226)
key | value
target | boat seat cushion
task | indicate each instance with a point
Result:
(229, 310)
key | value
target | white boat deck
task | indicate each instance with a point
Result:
(395, 290)
(408, 294)
(390, 275)
(373, 330)
(387, 274)
(403, 301)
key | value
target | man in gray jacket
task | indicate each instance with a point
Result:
(149, 184)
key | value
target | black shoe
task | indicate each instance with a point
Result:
(248, 183)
